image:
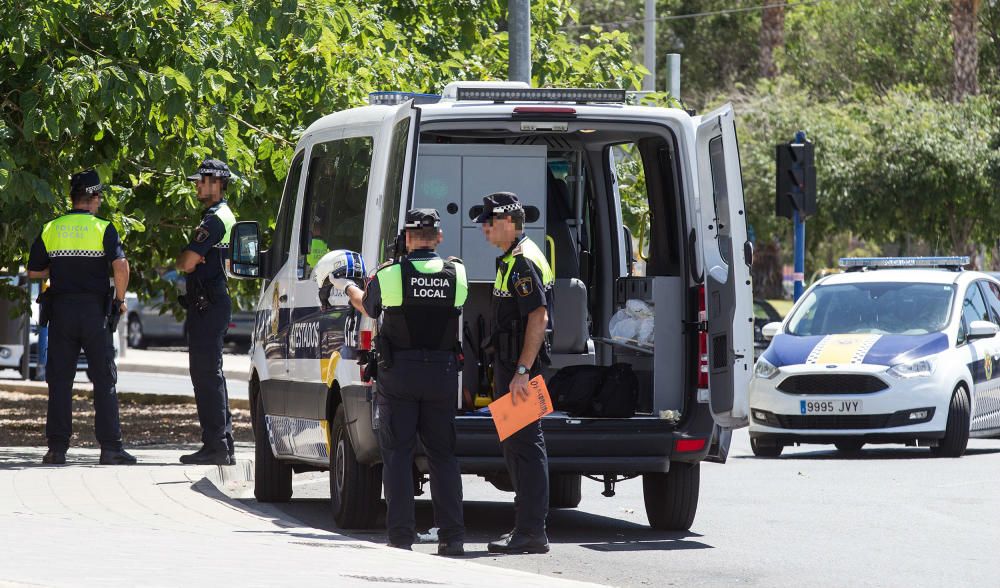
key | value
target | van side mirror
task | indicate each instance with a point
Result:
(770, 330)
(244, 250)
(982, 330)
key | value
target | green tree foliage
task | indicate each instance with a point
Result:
(143, 90)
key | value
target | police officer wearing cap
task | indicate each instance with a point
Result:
(74, 252)
(209, 310)
(521, 297)
(419, 297)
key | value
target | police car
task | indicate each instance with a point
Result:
(894, 350)
(570, 155)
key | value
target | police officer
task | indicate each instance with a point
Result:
(420, 297)
(209, 309)
(73, 252)
(521, 297)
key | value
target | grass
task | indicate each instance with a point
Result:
(782, 306)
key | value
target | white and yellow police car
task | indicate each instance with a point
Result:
(894, 350)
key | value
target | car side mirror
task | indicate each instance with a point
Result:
(982, 330)
(244, 251)
(770, 330)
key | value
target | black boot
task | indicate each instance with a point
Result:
(116, 457)
(54, 457)
(520, 543)
(451, 548)
(207, 456)
(231, 444)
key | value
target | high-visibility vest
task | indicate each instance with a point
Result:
(75, 235)
(422, 301)
(528, 249)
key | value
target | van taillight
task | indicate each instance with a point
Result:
(365, 341)
(702, 340)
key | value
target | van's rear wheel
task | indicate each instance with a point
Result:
(355, 488)
(672, 498)
(565, 490)
(956, 433)
(272, 478)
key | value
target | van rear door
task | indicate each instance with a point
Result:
(727, 255)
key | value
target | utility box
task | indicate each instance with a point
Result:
(454, 178)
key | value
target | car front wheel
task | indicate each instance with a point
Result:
(956, 434)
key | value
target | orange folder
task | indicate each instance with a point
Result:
(510, 418)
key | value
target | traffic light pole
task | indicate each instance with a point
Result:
(799, 243)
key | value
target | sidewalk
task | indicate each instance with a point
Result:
(162, 524)
(234, 366)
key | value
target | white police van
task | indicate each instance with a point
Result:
(582, 161)
(895, 350)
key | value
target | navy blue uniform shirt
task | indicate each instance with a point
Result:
(207, 235)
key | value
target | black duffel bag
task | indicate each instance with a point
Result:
(573, 388)
(618, 394)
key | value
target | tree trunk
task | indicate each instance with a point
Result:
(772, 36)
(964, 25)
(766, 271)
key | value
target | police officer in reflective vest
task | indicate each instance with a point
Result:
(74, 251)
(420, 298)
(521, 297)
(209, 310)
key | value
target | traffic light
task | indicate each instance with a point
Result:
(795, 180)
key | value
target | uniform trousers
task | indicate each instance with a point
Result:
(416, 397)
(527, 463)
(206, 331)
(79, 321)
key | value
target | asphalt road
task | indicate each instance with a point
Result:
(167, 384)
(892, 517)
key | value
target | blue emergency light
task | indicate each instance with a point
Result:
(859, 263)
(395, 98)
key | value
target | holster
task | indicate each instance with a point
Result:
(508, 342)
(198, 297)
(113, 312)
(44, 301)
(384, 349)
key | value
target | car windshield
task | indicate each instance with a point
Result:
(897, 308)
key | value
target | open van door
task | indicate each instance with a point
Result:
(727, 256)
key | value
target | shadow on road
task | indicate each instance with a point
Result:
(867, 454)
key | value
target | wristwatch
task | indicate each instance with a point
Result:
(521, 369)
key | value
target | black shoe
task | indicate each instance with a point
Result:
(54, 457)
(403, 547)
(231, 444)
(451, 548)
(116, 457)
(519, 544)
(207, 456)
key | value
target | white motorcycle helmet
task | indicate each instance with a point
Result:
(338, 265)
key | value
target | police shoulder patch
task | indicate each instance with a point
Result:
(200, 235)
(524, 286)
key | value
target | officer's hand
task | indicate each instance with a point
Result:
(519, 388)
(123, 309)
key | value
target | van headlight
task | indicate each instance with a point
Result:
(919, 368)
(764, 369)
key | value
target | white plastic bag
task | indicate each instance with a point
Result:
(634, 323)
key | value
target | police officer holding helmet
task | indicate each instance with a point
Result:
(74, 252)
(209, 310)
(419, 297)
(521, 297)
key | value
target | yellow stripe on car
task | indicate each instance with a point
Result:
(842, 349)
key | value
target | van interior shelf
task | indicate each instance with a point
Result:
(647, 349)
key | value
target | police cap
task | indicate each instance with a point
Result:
(498, 203)
(85, 181)
(422, 218)
(211, 167)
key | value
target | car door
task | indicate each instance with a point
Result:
(986, 410)
(726, 254)
(979, 351)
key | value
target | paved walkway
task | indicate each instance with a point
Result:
(163, 524)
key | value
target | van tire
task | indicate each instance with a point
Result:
(272, 478)
(355, 488)
(672, 498)
(565, 490)
(956, 433)
(849, 447)
(765, 450)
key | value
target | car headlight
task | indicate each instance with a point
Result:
(919, 368)
(764, 369)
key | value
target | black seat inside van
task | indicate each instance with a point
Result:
(569, 315)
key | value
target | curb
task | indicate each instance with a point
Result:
(176, 370)
(42, 389)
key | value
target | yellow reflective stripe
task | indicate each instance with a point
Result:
(225, 214)
(461, 285)
(390, 281)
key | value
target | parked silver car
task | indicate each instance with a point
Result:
(149, 321)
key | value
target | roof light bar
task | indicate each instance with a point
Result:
(578, 95)
(396, 98)
(873, 262)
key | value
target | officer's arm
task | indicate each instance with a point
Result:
(38, 261)
(209, 232)
(188, 260)
(534, 335)
(356, 295)
(121, 271)
(114, 252)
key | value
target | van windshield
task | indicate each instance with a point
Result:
(898, 308)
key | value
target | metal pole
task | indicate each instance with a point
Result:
(649, 47)
(519, 38)
(674, 75)
(800, 239)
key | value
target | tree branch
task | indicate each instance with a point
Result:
(259, 130)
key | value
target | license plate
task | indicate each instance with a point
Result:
(830, 406)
